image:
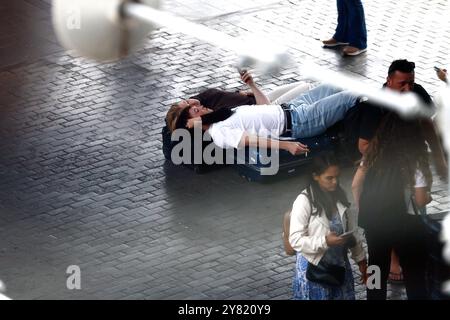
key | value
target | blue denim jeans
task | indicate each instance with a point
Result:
(351, 25)
(316, 110)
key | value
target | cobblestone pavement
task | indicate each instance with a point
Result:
(83, 178)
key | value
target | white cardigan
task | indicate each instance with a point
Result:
(307, 232)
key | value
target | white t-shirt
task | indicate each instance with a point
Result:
(420, 182)
(261, 120)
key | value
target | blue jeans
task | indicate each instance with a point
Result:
(316, 110)
(351, 26)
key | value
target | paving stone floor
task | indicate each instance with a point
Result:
(83, 178)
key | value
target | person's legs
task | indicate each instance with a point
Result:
(341, 34)
(357, 35)
(412, 252)
(315, 119)
(311, 96)
(395, 273)
(379, 255)
(287, 92)
(299, 89)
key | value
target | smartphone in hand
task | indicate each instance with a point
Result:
(241, 71)
(346, 234)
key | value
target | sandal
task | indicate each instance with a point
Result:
(395, 278)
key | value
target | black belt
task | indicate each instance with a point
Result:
(287, 120)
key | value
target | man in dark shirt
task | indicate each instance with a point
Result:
(401, 77)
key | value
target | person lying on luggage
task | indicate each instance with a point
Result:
(216, 99)
(307, 115)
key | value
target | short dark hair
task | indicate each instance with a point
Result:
(403, 65)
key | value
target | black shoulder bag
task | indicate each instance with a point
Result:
(326, 274)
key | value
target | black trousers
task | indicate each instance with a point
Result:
(409, 240)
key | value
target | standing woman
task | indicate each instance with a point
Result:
(398, 178)
(351, 28)
(319, 216)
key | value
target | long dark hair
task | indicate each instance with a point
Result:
(209, 118)
(400, 143)
(321, 200)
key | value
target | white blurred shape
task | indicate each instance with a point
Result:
(97, 29)
(255, 52)
(443, 116)
(443, 120)
(3, 297)
(445, 237)
(406, 104)
(446, 287)
(2, 289)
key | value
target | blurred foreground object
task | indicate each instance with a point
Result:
(107, 30)
(2, 289)
(443, 120)
(446, 253)
(98, 29)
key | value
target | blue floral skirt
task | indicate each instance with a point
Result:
(308, 290)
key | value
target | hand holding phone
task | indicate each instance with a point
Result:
(346, 234)
(441, 73)
(241, 71)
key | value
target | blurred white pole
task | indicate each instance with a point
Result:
(3, 297)
(443, 121)
(406, 104)
(2, 289)
(258, 50)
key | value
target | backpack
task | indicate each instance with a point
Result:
(286, 224)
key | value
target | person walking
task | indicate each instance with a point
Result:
(351, 28)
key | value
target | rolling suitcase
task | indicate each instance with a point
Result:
(257, 165)
(168, 145)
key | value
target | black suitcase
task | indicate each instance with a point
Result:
(168, 145)
(255, 166)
